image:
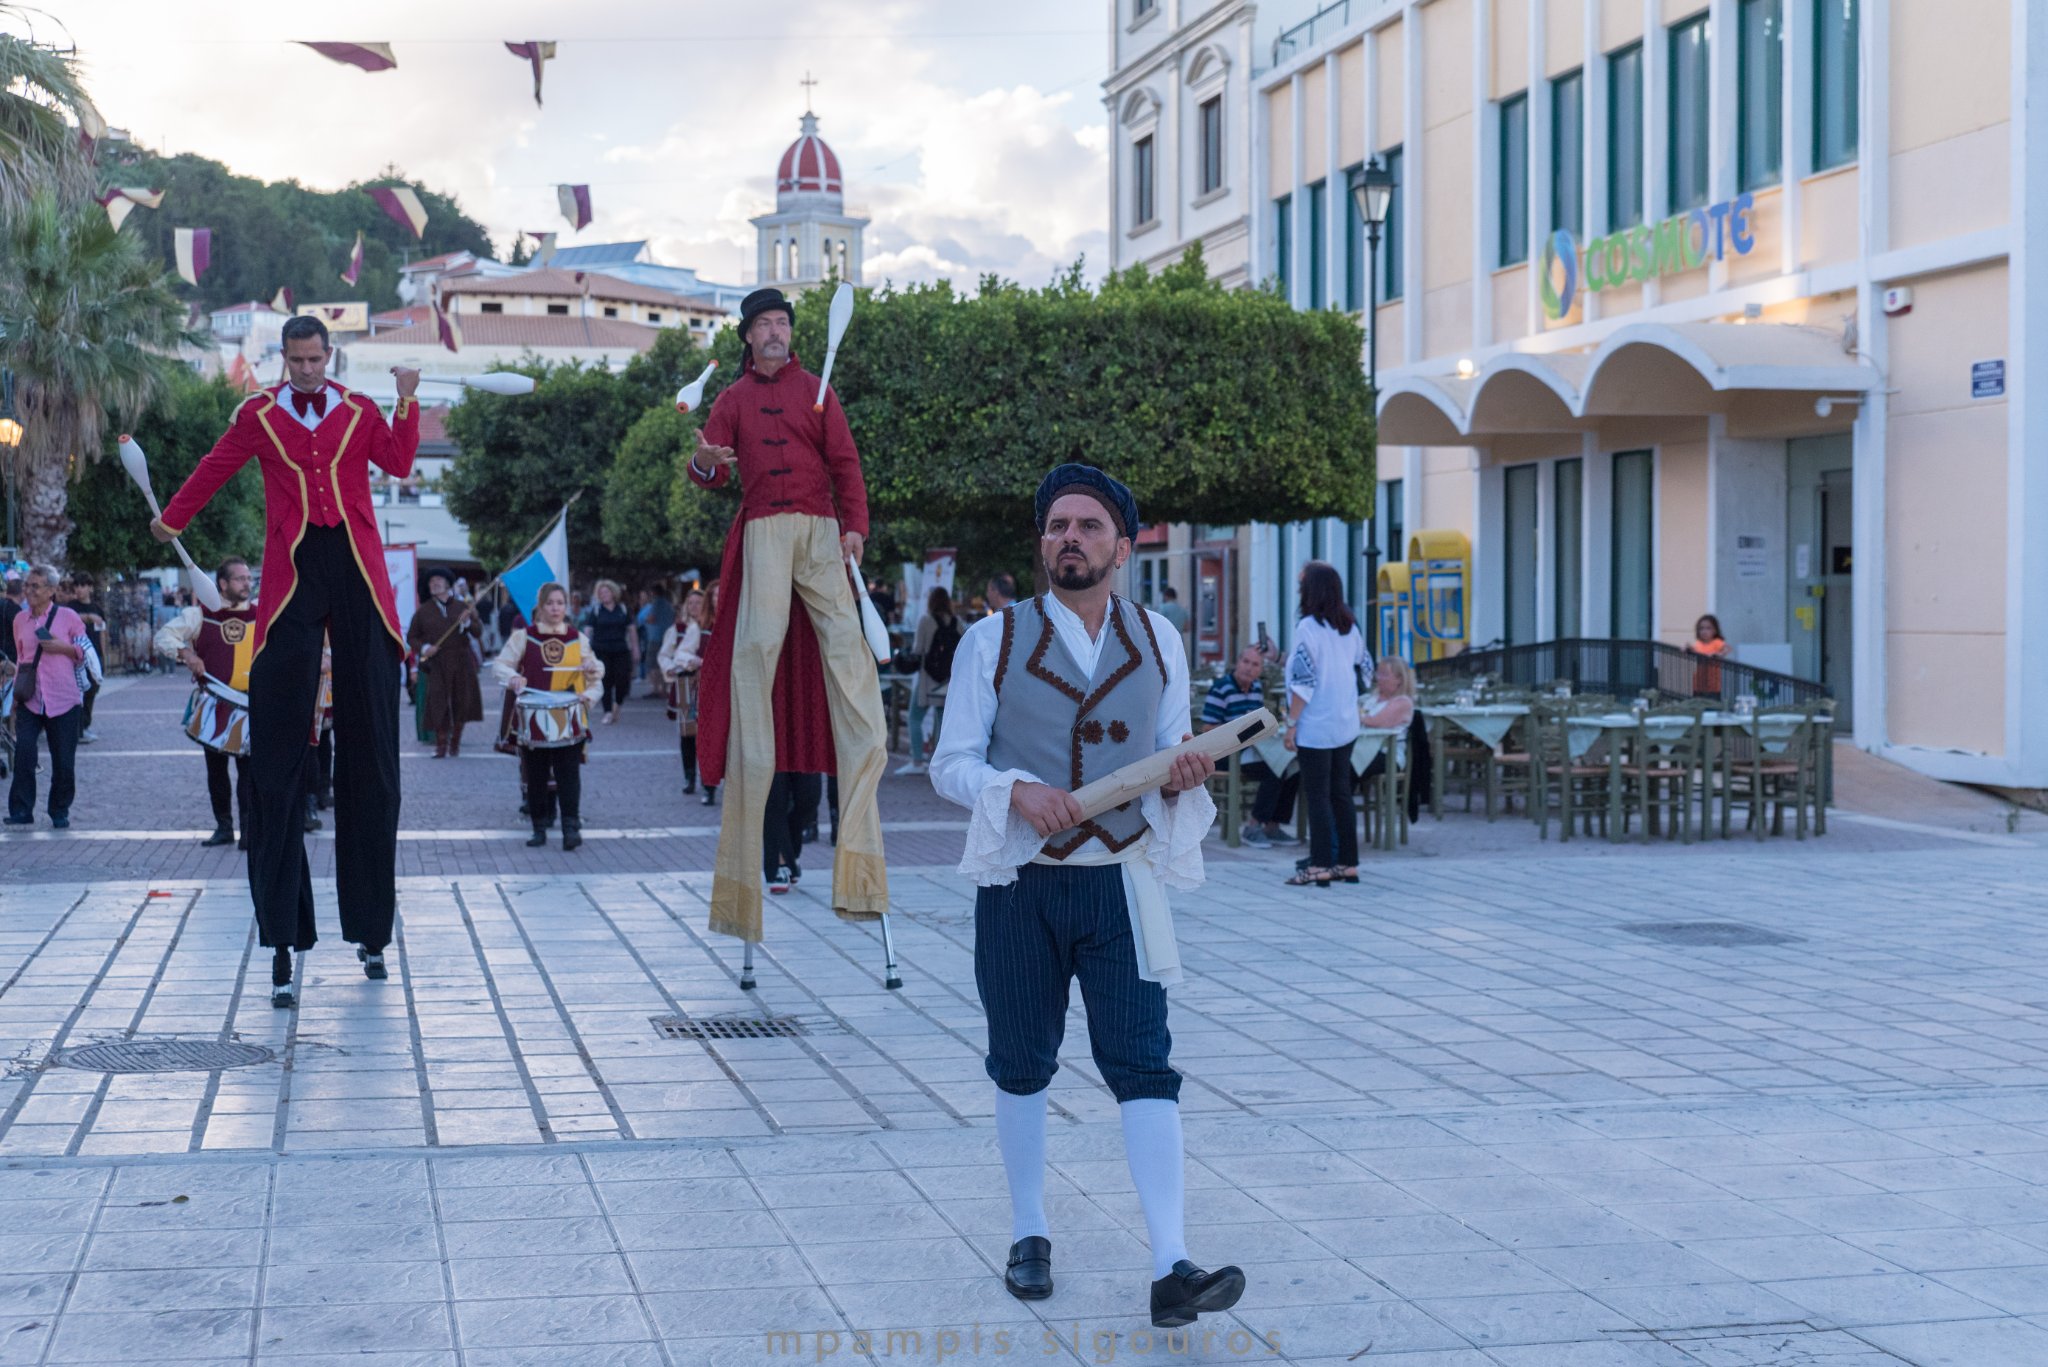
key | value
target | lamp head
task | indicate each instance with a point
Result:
(1373, 193)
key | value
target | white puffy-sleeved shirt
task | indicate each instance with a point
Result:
(1322, 670)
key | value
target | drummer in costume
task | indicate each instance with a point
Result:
(803, 511)
(440, 633)
(1050, 694)
(682, 660)
(323, 564)
(555, 677)
(217, 648)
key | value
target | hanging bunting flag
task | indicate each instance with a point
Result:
(575, 202)
(120, 201)
(91, 127)
(368, 56)
(403, 204)
(242, 375)
(282, 300)
(544, 249)
(195, 251)
(445, 326)
(536, 53)
(355, 261)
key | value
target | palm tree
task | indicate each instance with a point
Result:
(89, 327)
(39, 145)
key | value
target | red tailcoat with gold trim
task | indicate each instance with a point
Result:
(310, 478)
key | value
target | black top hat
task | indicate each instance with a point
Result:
(760, 302)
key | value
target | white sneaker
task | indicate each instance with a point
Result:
(88, 736)
(1254, 835)
(779, 884)
(910, 767)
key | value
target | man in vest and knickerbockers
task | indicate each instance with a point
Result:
(1049, 694)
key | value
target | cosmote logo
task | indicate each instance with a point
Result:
(1681, 242)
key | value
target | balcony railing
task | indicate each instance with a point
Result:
(1301, 37)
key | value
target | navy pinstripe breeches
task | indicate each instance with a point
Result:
(1031, 940)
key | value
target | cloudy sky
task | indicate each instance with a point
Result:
(972, 134)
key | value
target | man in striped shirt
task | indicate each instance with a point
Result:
(1231, 696)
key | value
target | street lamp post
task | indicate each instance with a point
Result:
(1372, 195)
(10, 437)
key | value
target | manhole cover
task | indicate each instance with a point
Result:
(163, 1056)
(728, 1027)
(1709, 934)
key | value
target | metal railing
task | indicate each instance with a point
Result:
(1627, 668)
(1304, 35)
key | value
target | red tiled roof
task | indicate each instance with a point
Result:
(565, 284)
(433, 425)
(397, 318)
(512, 329)
(431, 263)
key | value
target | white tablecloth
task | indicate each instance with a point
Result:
(1488, 724)
(1581, 732)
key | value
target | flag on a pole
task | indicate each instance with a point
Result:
(549, 563)
(536, 53)
(120, 201)
(355, 261)
(282, 300)
(402, 203)
(575, 202)
(195, 251)
(544, 249)
(242, 375)
(368, 56)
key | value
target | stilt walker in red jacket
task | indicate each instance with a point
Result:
(804, 510)
(323, 577)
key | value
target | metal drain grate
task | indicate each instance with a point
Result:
(163, 1056)
(728, 1027)
(1710, 934)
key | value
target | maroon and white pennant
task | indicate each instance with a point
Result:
(282, 300)
(355, 261)
(402, 203)
(575, 202)
(445, 326)
(544, 249)
(537, 53)
(120, 201)
(194, 248)
(368, 56)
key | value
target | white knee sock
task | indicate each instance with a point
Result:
(1020, 1134)
(1152, 1146)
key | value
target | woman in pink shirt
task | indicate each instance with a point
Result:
(47, 699)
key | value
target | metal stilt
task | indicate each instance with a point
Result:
(893, 980)
(747, 967)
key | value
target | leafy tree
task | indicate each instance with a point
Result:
(112, 521)
(39, 145)
(88, 326)
(268, 234)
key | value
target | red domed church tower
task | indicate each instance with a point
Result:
(810, 237)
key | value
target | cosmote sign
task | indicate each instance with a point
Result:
(1682, 242)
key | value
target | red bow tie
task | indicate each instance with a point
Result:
(317, 401)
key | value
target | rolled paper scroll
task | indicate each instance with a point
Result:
(1149, 774)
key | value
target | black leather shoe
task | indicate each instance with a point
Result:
(1188, 1291)
(222, 835)
(1029, 1277)
(572, 835)
(284, 996)
(540, 837)
(373, 964)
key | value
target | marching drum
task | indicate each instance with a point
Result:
(548, 721)
(218, 717)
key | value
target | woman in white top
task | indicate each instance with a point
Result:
(682, 655)
(1323, 671)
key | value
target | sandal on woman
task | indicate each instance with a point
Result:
(1309, 878)
(1345, 873)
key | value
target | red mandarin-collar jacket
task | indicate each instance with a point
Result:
(318, 478)
(791, 460)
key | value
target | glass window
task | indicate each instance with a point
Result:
(1210, 142)
(1142, 202)
(1518, 545)
(559, 310)
(1513, 181)
(1391, 239)
(1688, 115)
(1141, 8)
(1283, 244)
(1354, 242)
(1760, 97)
(1568, 152)
(1633, 569)
(1318, 237)
(1568, 512)
(1625, 137)
(1835, 59)
(1390, 517)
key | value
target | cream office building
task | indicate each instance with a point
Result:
(1711, 307)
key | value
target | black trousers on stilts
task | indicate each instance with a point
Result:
(330, 599)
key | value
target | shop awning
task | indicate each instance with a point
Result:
(1644, 369)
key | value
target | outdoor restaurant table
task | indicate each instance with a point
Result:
(1581, 732)
(1488, 723)
(1772, 730)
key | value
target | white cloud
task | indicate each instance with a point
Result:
(970, 154)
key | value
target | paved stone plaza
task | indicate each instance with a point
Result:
(1478, 1110)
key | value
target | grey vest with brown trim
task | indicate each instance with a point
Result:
(1057, 723)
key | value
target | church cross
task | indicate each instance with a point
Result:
(807, 82)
